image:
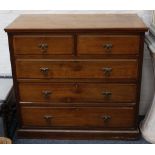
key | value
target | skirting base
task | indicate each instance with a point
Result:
(79, 134)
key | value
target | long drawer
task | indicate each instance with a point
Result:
(84, 117)
(43, 44)
(77, 92)
(109, 69)
(108, 44)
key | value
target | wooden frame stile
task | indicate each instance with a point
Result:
(12, 60)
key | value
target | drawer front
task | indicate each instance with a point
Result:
(108, 44)
(77, 92)
(109, 69)
(122, 117)
(27, 44)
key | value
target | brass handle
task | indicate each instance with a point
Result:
(107, 70)
(43, 47)
(48, 118)
(46, 93)
(108, 46)
(44, 70)
(106, 118)
(107, 94)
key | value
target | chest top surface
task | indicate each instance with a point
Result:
(47, 22)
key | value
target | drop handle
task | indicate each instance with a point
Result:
(46, 93)
(106, 93)
(107, 70)
(48, 117)
(106, 118)
(44, 70)
(43, 47)
(107, 46)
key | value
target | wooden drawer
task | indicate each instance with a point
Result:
(85, 117)
(40, 44)
(77, 92)
(109, 69)
(108, 44)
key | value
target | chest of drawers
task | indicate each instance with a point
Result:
(77, 76)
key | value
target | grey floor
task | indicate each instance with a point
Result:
(43, 141)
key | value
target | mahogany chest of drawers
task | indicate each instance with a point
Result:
(77, 76)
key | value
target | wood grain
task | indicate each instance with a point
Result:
(48, 22)
(72, 69)
(77, 92)
(126, 134)
(56, 44)
(95, 44)
(83, 117)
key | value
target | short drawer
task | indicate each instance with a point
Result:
(84, 117)
(77, 92)
(40, 44)
(102, 69)
(108, 44)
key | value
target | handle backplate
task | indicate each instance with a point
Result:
(106, 93)
(107, 71)
(108, 46)
(43, 47)
(106, 118)
(46, 93)
(44, 70)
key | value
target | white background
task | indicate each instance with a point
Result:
(77, 4)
